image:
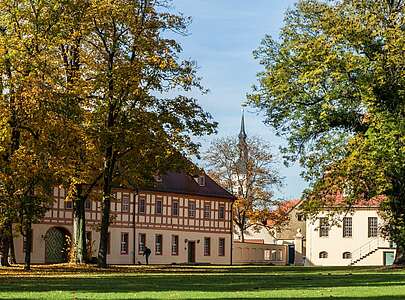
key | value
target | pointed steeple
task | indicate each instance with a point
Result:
(242, 133)
(243, 149)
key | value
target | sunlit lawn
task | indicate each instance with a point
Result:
(174, 282)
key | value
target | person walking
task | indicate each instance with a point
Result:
(147, 253)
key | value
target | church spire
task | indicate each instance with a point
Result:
(243, 149)
(242, 133)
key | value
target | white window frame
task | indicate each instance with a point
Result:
(125, 203)
(124, 243)
(191, 209)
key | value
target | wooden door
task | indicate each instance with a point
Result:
(56, 246)
(191, 252)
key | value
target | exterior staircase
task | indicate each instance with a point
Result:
(366, 250)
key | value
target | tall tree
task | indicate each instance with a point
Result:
(32, 113)
(83, 164)
(334, 86)
(85, 77)
(245, 167)
(132, 61)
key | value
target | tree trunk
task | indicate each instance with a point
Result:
(7, 238)
(105, 219)
(102, 252)
(109, 162)
(79, 227)
(243, 226)
(4, 247)
(400, 253)
(11, 253)
(397, 206)
(242, 234)
(27, 245)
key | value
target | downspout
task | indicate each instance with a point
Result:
(231, 227)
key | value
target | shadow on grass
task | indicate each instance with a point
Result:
(329, 297)
(89, 269)
(204, 282)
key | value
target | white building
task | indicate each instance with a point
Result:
(351, 238)
(354, 239)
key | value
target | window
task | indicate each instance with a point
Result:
(347, 227)
(87, 204)
(207, 246)
(141, 242)
(158, 244)
(372, 227)
(207, 211)
(273, 255)
(158, 207)
(191, 209)
(141, 206)
(125, 203)
(108, 243)
(221, 247)
(201, 180)
(300, 217)
(347, 255)
(266, 254)
(175, 245)
(323, 254)
(68, 204)
(280, 255)
(221, 212)
(175, 208)
(323, 227)
(124, 243)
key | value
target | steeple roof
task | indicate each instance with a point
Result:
(242, 133)
(242, 145)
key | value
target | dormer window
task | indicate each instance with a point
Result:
(201, 180)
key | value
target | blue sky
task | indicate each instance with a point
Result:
(222, 36)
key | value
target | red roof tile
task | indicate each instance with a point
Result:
(338, 200)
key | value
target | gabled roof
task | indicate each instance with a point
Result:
(281, 212)
(288, 205)
(183, 183)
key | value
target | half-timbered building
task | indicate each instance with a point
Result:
(182, 219)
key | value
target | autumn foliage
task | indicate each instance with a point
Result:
(83, 104)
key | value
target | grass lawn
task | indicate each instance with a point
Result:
(175, 282)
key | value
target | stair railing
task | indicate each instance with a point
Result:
(365, 249)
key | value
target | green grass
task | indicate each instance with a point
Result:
(168, 282)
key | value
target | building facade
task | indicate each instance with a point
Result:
(282, 235)
(259, 253)
(351, 238)
(295, 222)
(292, 232)
(183, 219)
(354, 239)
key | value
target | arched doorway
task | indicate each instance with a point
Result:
(56, 245)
